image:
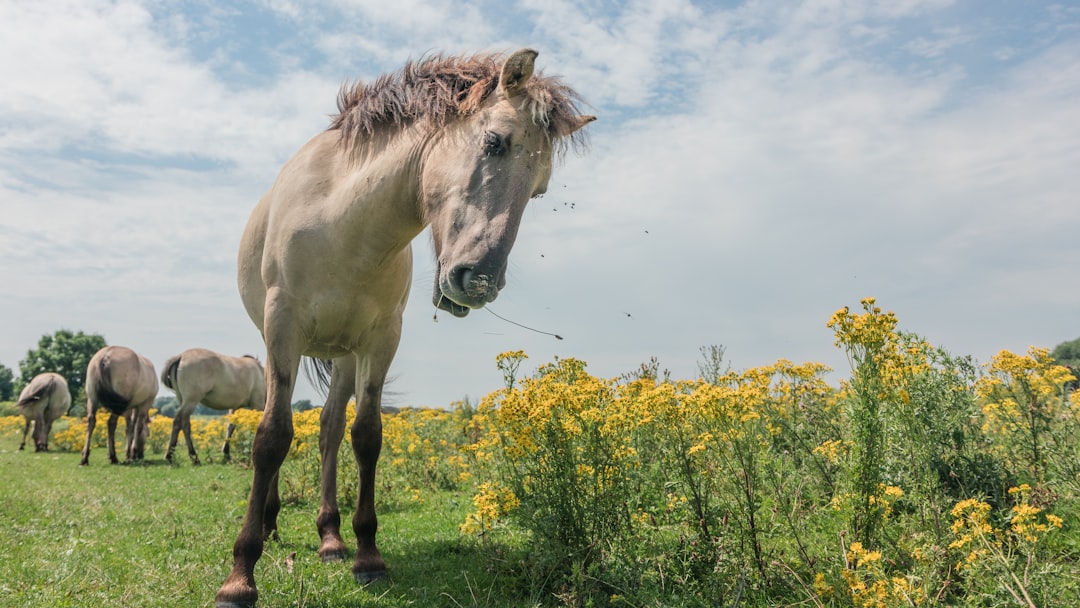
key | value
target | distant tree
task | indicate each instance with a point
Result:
(202, 410)
(302, 405)
(66, 353)
(1067, 353)
(7, 383)
(166, 405)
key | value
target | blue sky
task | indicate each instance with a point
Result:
(755, 166)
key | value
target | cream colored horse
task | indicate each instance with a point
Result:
(41, 402)
(217, 381)
(124, 383)
(460, 144)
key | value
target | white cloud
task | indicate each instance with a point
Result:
(753, 169)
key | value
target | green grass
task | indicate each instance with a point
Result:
(158, 535)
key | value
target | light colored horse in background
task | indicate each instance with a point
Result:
(219, 382)
(124, 383)
(325, 265)
(41, 402)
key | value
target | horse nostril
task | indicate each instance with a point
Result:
(465, 277)
(471, 283)
(459, 278)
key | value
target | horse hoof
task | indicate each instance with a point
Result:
(236, 595)
(331, 557)
(367, 578)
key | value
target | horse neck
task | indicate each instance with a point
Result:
(384, 182)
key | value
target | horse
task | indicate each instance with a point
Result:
(41, 402)
(124, 383)
(459, 143)
(218, 381)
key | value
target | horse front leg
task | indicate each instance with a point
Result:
(272, 441)
(367, 444)
(331, 432)
(44, 447)
(141, 427)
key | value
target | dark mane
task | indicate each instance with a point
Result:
(436, 89)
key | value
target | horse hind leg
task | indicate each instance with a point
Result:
(174, 435)
(226, 455)
(331, 432)
(190, 443)
(26, 431)
(111, 427)
(91, 421)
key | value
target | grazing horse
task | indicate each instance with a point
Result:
(325, 264)
(125, 383)
(220, 382)
(44, 400)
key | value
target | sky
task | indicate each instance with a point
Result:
(754, 167)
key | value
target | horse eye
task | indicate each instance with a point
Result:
(494, 144)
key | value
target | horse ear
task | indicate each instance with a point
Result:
(574, 124)
(516, 72)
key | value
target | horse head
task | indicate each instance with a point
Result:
(480, 172)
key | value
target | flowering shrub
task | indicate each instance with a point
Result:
(1026, 408)
(945, 483)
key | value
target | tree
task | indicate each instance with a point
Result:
(7, 383)
(66, 353)
(302, 405)
(167, 405)
(1067, 353)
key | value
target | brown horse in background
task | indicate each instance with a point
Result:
(124, 383)
(325, 263)
(41, 402)
(217, 381)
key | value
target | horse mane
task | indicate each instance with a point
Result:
(437, 89)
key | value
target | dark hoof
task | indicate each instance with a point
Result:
(367, 578)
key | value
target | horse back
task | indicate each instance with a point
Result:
(119, 378)
(218, 381)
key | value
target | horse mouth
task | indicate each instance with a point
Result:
(444, 303)
(464, 289)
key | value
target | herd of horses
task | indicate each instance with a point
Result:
(124, 383)
(457, 143)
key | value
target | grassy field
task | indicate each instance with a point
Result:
(159, 535)
(921, 480)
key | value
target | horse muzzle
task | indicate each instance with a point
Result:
(465, 288)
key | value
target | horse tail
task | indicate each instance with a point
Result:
(40, 393)
(107, 396)
(168, 373)
(318, 373)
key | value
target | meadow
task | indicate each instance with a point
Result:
(922, 479)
